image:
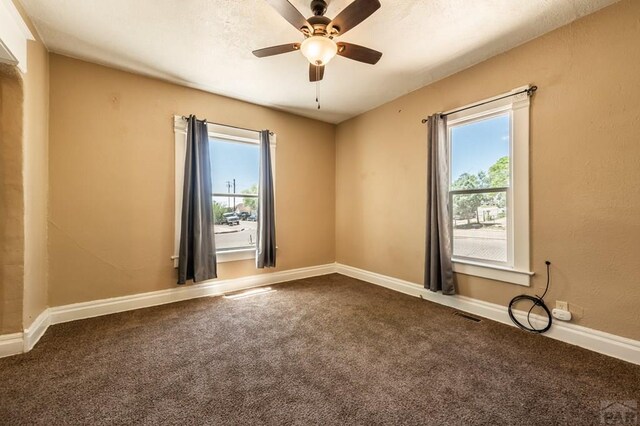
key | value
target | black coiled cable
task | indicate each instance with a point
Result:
(537, 301)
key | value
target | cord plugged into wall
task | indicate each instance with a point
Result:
(536, 301)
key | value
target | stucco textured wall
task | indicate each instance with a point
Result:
(11, 200)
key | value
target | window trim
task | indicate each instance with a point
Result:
(517, 268)
(217, 131)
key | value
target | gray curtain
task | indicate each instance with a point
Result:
(266, 241)
(197, 260)
(438, 271)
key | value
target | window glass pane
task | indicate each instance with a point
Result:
(480, 153)
(480, 226)
(234, 229)
(234, 169)
(234, 163)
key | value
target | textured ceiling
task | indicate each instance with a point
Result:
(207, 44)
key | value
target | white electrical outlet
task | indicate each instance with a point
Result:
(563, 306)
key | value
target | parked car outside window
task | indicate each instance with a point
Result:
(230, 219)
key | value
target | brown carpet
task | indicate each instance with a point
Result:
(326, 350)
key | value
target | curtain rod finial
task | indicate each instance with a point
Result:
(424, 120)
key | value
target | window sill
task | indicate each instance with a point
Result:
(235, 255)
(498, 273)
(228, 256)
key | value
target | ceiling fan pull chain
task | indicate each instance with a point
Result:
(318, 86)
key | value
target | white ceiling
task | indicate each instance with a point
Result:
(207, 44)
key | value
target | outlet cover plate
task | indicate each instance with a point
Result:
(564, 306)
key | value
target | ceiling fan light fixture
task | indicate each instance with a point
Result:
(319, 50)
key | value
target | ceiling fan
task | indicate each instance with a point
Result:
(319, 46)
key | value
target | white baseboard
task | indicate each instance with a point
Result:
(96, 308)
(597, 341)
(36, 330)
(13, 344)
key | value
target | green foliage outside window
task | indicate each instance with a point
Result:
(465, 206)
(218, 211)
(251, 203)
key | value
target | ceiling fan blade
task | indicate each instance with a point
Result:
(276, 50)
(353, 14)
(316, 73)
(290, 13)
(359, 53)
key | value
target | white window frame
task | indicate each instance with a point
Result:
(219, 132)
(517, 268)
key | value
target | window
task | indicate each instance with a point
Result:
(234, 169)
(235, 156)
(489, 189)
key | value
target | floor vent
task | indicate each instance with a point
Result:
(467, 316)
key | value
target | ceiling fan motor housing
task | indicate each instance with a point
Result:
(319, 24)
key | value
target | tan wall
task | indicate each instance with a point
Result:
(11, 200)
(35, 174)
(36, 180)
(111, 211)
(585, 169)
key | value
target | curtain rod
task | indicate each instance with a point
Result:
(530, 91)
(227, 125)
